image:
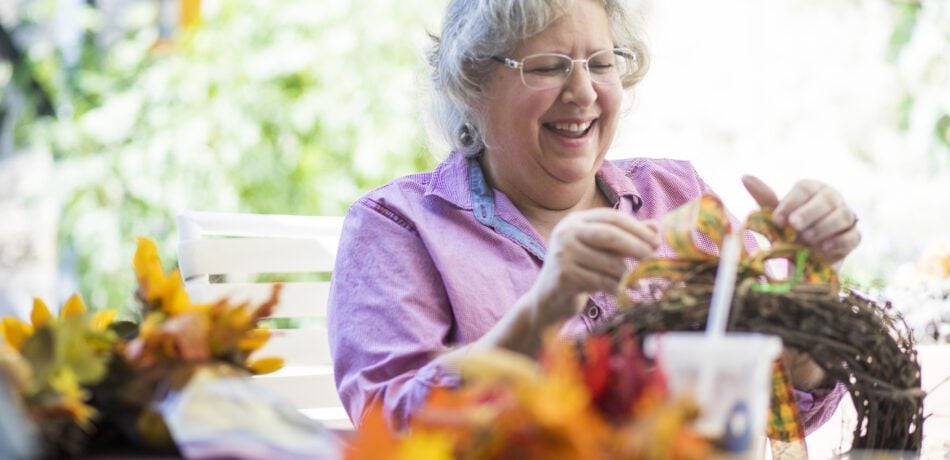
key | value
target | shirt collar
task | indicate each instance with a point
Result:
(617, 186)
(452, 181)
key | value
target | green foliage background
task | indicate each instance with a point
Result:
(296, 108)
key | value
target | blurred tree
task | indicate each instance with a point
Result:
(920, 49)
(297, 107)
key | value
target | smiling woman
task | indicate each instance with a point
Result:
(524, 227)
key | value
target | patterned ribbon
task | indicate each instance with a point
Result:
(785, 422)
(705, 218)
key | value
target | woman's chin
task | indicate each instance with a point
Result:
(572, 169)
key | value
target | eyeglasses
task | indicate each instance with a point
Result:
(551, 70)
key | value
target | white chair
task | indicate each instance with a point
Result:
(221, 254)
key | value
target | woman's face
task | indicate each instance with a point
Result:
(539, 138)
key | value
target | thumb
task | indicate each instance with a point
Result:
(760, 191)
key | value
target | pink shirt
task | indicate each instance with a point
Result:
(433, 260)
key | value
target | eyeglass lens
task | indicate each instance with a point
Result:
(542, 71)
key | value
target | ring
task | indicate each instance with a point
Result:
(853, 224)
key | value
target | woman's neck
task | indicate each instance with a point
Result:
(546, 202)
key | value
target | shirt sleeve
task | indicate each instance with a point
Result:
(388, 315)
(817, 406)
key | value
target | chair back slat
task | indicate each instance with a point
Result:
(238, 246)
(300, 347)
(198, 258)
(297, 300)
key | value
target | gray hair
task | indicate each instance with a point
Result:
(475, 30)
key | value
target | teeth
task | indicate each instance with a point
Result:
(572, 127)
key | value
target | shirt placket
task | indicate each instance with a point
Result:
(483, 206)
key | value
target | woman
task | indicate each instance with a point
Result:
(524, 226)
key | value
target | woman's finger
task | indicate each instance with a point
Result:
(821, 203)
(839, 246)
(595, 260)
(801, 193)
(760, 191)
(644, 230)
(837, 221)
(609, 238)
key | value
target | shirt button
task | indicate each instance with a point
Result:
(593, 312)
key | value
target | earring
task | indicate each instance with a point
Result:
(465, 135)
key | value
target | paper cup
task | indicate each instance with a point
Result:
(729, 377)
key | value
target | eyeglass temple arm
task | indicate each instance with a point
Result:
(511, 63)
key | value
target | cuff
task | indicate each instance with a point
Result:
(818, 405)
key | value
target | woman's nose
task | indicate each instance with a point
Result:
(579, 88)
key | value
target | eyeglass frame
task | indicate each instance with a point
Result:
(519, 65)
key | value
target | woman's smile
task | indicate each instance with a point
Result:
(571, 132)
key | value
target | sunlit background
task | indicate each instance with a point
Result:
(119, 113)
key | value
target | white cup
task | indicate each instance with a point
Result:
(728, 376)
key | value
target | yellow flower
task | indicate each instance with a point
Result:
(102, 319)
(40, 316)
(73, 307)
(72, 397)
(15, 332)
(160, 291)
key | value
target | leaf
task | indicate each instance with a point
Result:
(265, 365)
(40, 316)
(73, 307)
(126, 330)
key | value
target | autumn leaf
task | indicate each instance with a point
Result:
(498, 365)
(254, 339)
(265, 365)
(426, 445)
(373, 440)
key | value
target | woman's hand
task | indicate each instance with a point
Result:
(816, 211)
(806, 374)
(586, 253)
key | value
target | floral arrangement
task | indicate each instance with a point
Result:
(80, 370)
(600, 399)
